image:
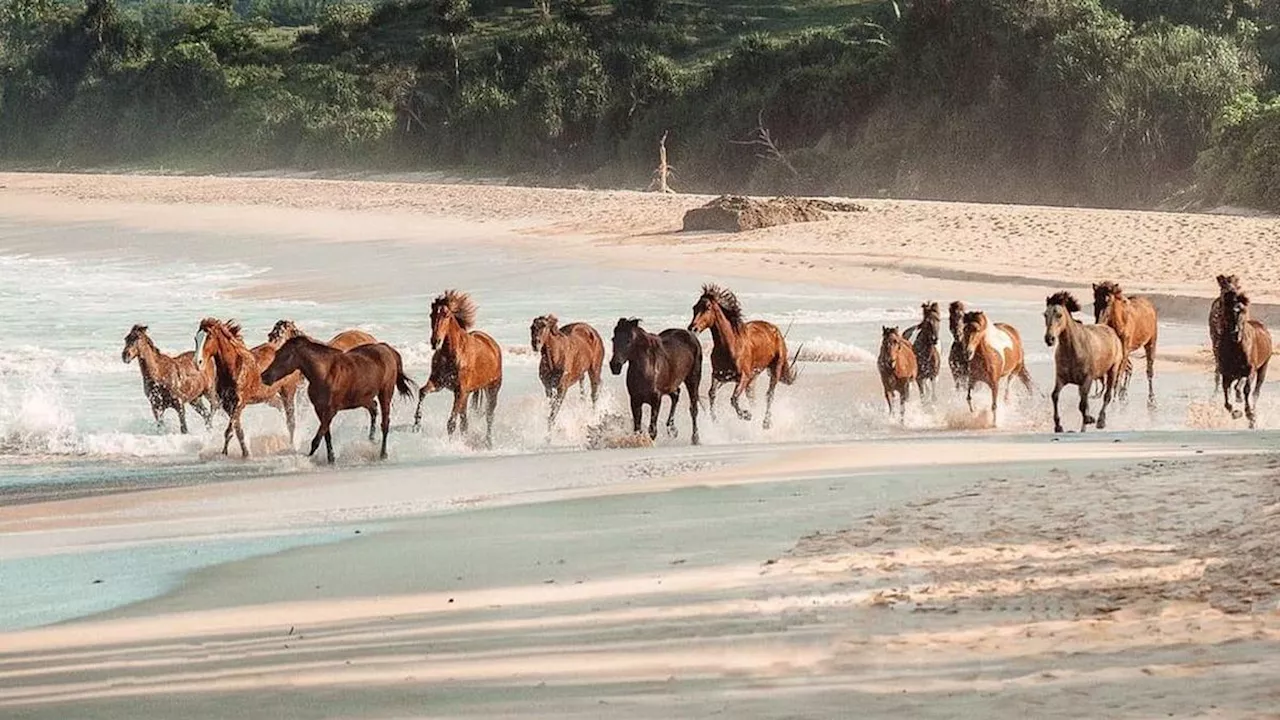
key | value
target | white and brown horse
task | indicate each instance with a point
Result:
(993, 352)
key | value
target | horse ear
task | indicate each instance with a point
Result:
(1244, 300)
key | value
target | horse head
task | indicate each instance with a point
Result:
(1235, 307)
(540, 329)
(715, 299)
(956, 318)
(281, 332)
(214, 338)
(1228, 283)
(624, 334)
(137, 335)
(450, 309)
(973, 332)
(1057, 313)
(286, 360)
(1104, 294)
(891, 341)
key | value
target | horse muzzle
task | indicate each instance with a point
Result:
(1049, 340)
(266, 379)
(125, 356)
(693, 328)
(615, 367)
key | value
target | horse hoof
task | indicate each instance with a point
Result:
(672, 431)
(1057, 428)
(1089, 420)
(768, 423)
(744, 415)
(1102, 423)
(1236, 414)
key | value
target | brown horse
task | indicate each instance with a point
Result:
(170, 382)
(993, 352)
(366, 376)
(1134, 320)
(466, 361)
(1244, 351)
(570, 355)
(1226, 284)
(285, 330)
(741, 350)
(1084, 354)
(656, 366)
(898, 368)
(925, 345)
(237, 378)
(957, 358)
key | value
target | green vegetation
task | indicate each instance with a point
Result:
(1125, 102)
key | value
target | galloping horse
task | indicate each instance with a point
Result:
(466, 361)
(169, 382)
(1084, 354)
(1244, 352)
(1134, 320)
(366, 377)
(238, 376)
(741, 350)
(898, 368)
(656, 366)
(993, 352)
(957, 358)
(1226, 284)
(285, 330)
(925, 346)
(570, 355)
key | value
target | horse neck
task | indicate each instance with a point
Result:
(555, 346)
(644, 344)
(229, 354)
(1072, 334)
(149, 358)
(313, 359)
(928, 333)
(724, 334)
(455, 336)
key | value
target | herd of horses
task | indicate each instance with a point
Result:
(353, 370)
(1084, 355)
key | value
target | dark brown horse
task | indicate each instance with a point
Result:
(957, 358)
(1134, 320)
(657, 365)
(571, 355)
(898, 368)
(924, 342)
(1084, 355)
(285, 330)
(466, 361)
(367, 376)
(238, 376)
(1226, 284)
(1244, 352)
(741, 350)
(994, 351)
(170, 382)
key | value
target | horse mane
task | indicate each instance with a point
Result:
(461, 306)
(727, 300)
(1065, 299)
(1228, 283)
(931, 313)
(139, 329)
(973, 316)
(1107, 289)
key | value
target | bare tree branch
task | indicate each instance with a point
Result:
(664, 171)
(769, 149)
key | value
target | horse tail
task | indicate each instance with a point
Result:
(475, 401)
(404, 383)
(790, 367)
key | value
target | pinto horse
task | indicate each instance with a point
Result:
(466, 361)
(367, 376)
(1084, 355)
(570, 356)
(656, 366)
(1134, 320)
(898, 368)
(957, 358)
(1244, 352)
(993, 352)
(1226, 284)
(170, 382)
(238, 376)
(925, 345)
(741, 350)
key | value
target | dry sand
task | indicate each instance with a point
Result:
(981, 578)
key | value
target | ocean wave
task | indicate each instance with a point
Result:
(39, 361)
(821, 349)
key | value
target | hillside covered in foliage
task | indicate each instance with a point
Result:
(1111, 102)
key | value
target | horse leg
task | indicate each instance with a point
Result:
(637, 409)
(995, 398)
(594, 376)
(157, 412)
(671, 416)
(373, 418)
(737, 393)
(888, 399)
(287, 403)
(459, 407)
(491, 405)
(1151, 374)
(417, 413)
(904, 394)
(1085, 419)
(325, 417)
(1248, 401)
(691, 384)
(1110, 387)
(968, 396)
(711, 397)
(655, 409)
(182, 417)
(1057, 390)
(774, 374)
(231, 430)
(244, 449)
(385, 403)
(556, 401)
(205, 412)
(1226, 397)
(1257, 385)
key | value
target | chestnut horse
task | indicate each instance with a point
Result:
(170, 382)
(466, 361)
(1134, 320)
(1084, 355)
(1244, 351)
(284, 330)
(570, 356)
(741, 350)
(656, 366)
(1226, 283)
(957, 358)
(925, 345)
(898, 368)
(366, 376)
(237, 378)
(993, 352)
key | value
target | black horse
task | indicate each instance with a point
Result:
(657, 366)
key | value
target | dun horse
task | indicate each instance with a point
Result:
(1134, 320)
(957, 358)
(656, 366)
(570, 356)
(366, 376)
(898, 369)
(925, 345)
(1084, 354)
(285, 330)
(993, 352)
(1244, 351)
(170, 382)
(741, 350)
(238, 377)
(1226, 284)
(466, 361)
